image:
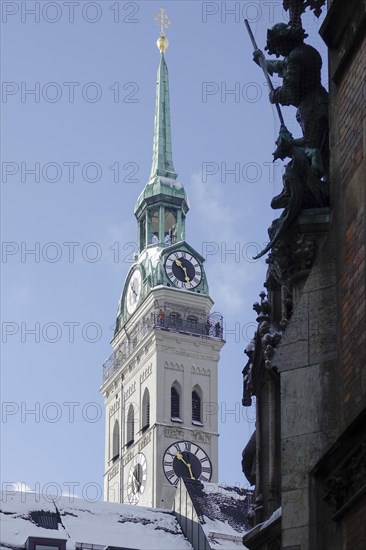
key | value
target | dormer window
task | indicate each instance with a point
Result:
(41, 543)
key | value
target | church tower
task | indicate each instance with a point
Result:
(160, 384)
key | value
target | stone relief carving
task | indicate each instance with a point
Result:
(173, 432)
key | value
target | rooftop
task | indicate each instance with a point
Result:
(83, 524)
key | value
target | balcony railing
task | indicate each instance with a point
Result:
(170, 322)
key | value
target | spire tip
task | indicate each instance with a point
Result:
(163, 22)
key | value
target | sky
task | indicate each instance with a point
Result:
(75, 154)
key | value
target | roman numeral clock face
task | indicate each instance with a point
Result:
(134, 291)
(185, 459)
(183, 270)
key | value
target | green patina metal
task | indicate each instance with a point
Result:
(163, 204)
(160, 209)
(162, 162)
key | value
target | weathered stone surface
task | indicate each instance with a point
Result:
(292, 353)
(294, 507)
(323, 274)
(301, 415)
(322, 329)
(296, 452)
(295, 538)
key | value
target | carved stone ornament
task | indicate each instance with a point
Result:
(348, 481)
(173, 432)
(201, 437)
(291, 255)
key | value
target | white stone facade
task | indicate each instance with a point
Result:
(160, 359)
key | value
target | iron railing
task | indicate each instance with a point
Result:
(212, 328)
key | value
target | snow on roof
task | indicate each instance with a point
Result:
(98, 523)
(223, 511)
(153, 253)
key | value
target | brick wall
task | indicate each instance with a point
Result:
(351, 203)
(355, 527)
(352, 107)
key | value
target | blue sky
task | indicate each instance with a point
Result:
(93, 110)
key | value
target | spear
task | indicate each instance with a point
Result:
(262, 63)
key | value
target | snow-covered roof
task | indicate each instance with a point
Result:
(98, 523)
(223, 511)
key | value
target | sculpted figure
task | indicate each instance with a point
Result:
(300, 70)
(303, 185)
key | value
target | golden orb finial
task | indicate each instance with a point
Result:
(163, 21)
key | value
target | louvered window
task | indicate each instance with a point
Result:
(130, 426)
(196, 407)
(115, 448)
(146, 410)
(175, 409)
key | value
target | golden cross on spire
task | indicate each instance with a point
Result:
(162, 20)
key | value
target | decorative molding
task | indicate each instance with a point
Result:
(292, 255)
(146, 373)
(128, 457)
(113, 472)
(347, 482)
(201, 437)
(130, 390)
(173, 366)
(144, 441)
(114, 408)
(200, 371)
(173, 432)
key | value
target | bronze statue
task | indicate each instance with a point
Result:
(300, 70)
(303, 185)
(305, 182)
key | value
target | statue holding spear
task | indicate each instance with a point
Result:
(304, 179)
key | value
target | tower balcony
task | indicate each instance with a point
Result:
(164, 318)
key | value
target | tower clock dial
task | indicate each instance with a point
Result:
(186, 459)
(183, 270)
(134, 291)
(137, 478)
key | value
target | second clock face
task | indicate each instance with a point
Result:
(134, 291)
(186, 459)
(183, 270)
(137, 478)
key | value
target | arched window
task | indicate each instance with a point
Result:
(192, 322)
(146, 410)
(155, 227)
(170, 232)
(142, 234)
(130, 426)
(175, 402)
(196, 406)
(115, 441)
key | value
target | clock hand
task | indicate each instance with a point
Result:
(179, 264)
(136, 481)
(180, 457)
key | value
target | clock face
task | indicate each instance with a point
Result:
(183, 270)
(137, 478)
(134, 291)
(186, 459)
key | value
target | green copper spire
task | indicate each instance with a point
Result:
(163, 204)
(162, 161)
